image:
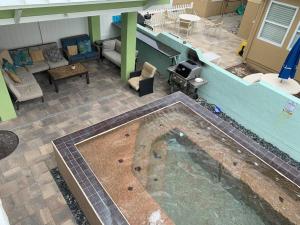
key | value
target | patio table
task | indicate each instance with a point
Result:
(189, 17)
(68, 71)
(290, 86)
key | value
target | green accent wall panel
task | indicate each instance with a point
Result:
(7, 110)
(157, 2)
(79, 8)
(40, 11)
(5, 14)
(128, 38)
(94, 28)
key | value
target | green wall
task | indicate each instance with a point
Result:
(26, 12)
(258, 107)
(128, 38)
(7, 110)
(4, 14)
(94, 28)
(157, 2)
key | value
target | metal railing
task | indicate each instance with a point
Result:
(160, 17)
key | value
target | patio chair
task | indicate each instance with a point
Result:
(189, 8)
(170, 17)
(142, 81)
(157, 21)
(185, 26)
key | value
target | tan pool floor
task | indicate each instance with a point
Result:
(120, 160)
(112, 163)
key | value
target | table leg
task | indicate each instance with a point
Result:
(196, 93)
(55, 86)
(87, 78)
(50, 80)
(173, 61)
(172, 86)
(169, 80)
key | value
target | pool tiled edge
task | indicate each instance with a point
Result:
(100, 200)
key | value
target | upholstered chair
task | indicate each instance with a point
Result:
(142, 81)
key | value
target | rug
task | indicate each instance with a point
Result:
(9, 141)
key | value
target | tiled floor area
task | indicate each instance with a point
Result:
(27, 189)
(28, 192)
(219, 40)
(231, 21)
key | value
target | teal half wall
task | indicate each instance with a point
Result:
(259, 107)
(162, 62)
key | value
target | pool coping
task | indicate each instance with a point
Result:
(96, 194)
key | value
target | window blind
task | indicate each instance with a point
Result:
(281, 14)
(277, 22)
(273, 32)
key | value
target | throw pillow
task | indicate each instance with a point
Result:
(118, 46)
(37, 55)
(72, 50)
(53, 54)
(21, 57)
(148, 71)
(4, 54)
(13, 76)
(84, 46)
(10, 70)
(7, 66)
(109, 45)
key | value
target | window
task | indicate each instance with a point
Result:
(294, 37)
(277, 22)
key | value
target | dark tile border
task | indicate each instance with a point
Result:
(94, 191)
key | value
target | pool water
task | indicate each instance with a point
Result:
(174, 167)
(193, 189)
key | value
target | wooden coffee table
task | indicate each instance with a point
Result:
(64, 72)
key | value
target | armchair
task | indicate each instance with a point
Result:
(142, 81)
